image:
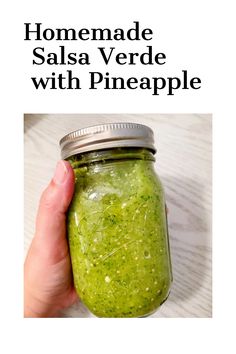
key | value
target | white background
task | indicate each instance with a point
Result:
(197, 35)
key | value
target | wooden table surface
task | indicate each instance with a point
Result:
(183, 162)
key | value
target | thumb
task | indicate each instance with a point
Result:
(54, 202)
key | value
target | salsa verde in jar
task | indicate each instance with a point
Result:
(116, 222)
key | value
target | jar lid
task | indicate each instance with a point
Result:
(106, 136)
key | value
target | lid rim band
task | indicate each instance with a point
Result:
(105, 136)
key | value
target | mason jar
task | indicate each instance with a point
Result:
(116, 223)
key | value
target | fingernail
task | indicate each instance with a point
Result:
(60, 173)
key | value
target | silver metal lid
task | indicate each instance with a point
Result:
(106, 136)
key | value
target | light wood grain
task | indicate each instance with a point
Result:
(183, 162)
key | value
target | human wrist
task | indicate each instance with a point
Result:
(35, 308)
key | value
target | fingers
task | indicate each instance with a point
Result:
(55, 200)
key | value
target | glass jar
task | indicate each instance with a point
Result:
(116, 222)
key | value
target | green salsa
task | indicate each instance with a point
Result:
(118, 234)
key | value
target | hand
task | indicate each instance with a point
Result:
(48, 285)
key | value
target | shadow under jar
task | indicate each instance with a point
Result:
(116, 222)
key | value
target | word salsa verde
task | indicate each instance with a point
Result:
(116, 222)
